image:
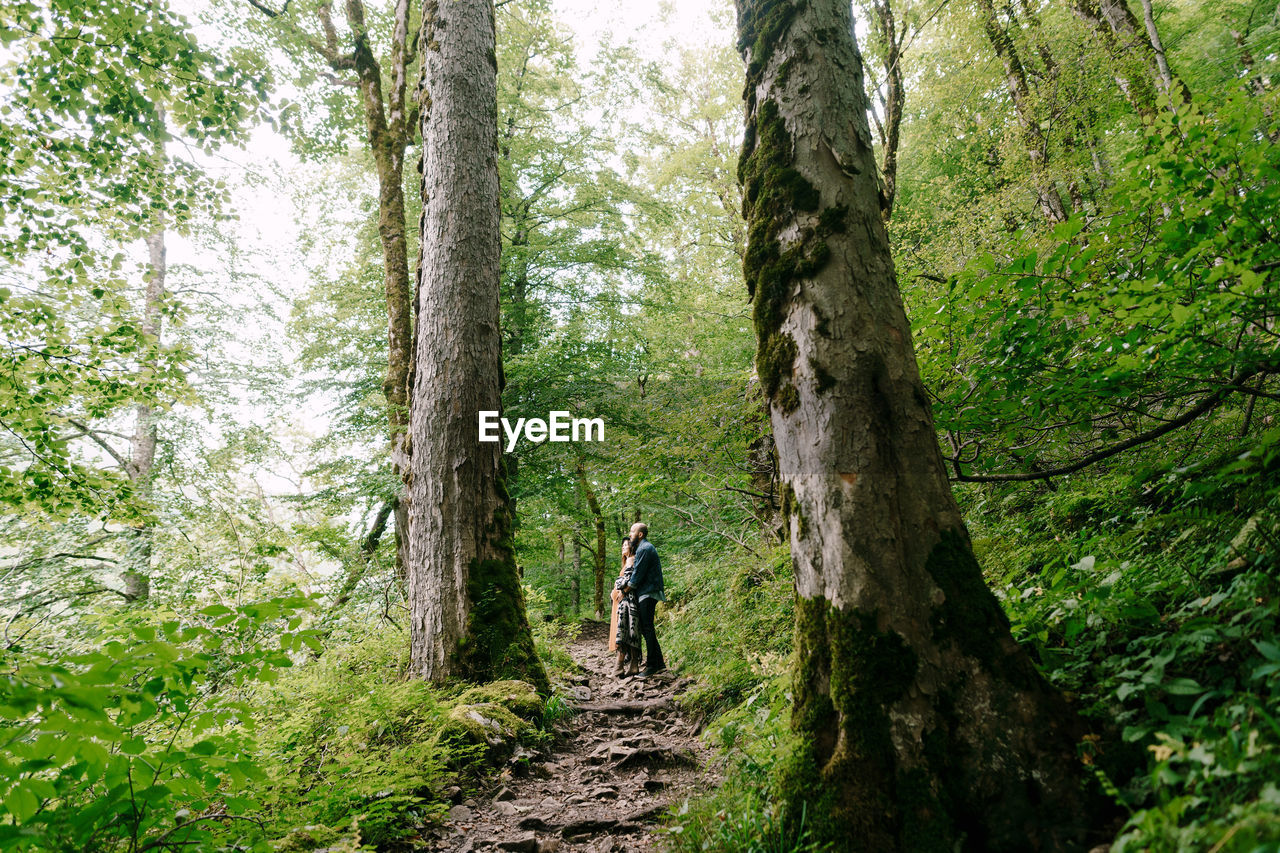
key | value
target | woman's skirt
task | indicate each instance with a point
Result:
(616, 595)
(628, 630)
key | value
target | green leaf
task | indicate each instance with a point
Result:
(21, 803)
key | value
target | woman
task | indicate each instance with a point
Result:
(624, 624)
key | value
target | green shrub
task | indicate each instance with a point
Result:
(1159, 616)
(347, 738)
(145, 740)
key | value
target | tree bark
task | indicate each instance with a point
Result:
(1015, 76)
(600, 553)
(467, 613)
(387, 122)
(575, 582)
(895, 99)
(142, 446)
(920, 722)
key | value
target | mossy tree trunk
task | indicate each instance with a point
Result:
(390, 126)
(600, 553)
(467, 613)
(920, 723)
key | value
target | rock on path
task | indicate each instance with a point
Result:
(628, 756)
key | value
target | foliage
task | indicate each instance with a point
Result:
(1151, 602)
(1126, 320)
(744, 814)
(1145, 583)
(348, 741)
(95, 96)
(143, 738)
(730, 625)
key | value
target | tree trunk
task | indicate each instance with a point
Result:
(1164, 76)
(895, 98)
(467, 613)
(762, 461)
(1037, 146)
(575, 585)
(142, 446)
(600, 554)
(389, 131)
(921, 724)
(1141, 68)
(577, 572)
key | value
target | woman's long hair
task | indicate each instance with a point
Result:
(626, 552)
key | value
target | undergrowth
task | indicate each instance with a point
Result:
(1152, 598)
(355, 748)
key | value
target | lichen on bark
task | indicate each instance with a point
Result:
(778, 200)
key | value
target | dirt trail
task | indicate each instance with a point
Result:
(627, 755)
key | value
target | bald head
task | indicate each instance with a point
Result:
(639, 532)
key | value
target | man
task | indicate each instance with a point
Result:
(645, 581)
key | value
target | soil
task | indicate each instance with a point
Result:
(619, 766)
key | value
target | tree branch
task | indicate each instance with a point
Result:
(268, 11)
(98, 440)
(1208, 404)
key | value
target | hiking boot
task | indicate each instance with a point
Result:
(653, 670)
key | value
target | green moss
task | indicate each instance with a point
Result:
(498, 643)
(970, 617)
(774, 194)
(775, 360)
(486, 727)
(842, 769)
(825, 381)
(790, 507)
(787, 398)
(762, 26)
(928, 824)
(833, 220)
(519, 697)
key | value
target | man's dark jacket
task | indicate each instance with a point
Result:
(646, 573)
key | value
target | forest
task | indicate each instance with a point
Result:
(926, 352)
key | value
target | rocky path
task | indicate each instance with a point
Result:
(625, 757)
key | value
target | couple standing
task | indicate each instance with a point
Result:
(636, 594)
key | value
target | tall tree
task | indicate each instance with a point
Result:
(391, 126)
(921, 724)
(142, 445)
(467, 614)
(1141, 68)
(1020, 91)
(599, 553)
